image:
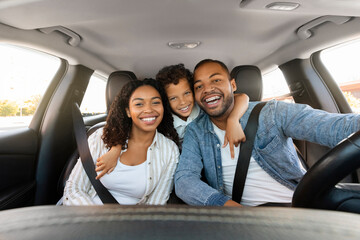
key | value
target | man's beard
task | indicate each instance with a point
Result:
(224, 107)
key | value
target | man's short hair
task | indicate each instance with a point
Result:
(208, 60)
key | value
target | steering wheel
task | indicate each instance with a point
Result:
(319, 189)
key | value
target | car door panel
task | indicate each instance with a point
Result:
(18, 149)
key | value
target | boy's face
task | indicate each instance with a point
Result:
(181, 98)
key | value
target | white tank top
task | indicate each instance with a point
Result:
(126, 183)
(259, 187)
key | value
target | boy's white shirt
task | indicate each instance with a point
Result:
(180, 125)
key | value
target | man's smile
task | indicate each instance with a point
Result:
(212, 100)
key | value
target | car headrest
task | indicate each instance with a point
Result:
(248, 80)
(115, 83)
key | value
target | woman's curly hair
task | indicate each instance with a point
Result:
(173, 73)
(118, 124)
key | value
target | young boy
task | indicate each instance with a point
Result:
(178, 84)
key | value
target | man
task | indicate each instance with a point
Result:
(274, 168)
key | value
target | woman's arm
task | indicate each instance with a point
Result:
(234, 132)
(77, 188)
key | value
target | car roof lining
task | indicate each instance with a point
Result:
(133, 35)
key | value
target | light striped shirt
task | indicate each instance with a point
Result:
(162, 159)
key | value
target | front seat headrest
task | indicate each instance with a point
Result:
(248, 80)
(115, 83)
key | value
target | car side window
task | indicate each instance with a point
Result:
(342, 63)
(24, 76)
(94, 102)
(275, 87)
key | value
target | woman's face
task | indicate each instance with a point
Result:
(181, 98)
(145, 108)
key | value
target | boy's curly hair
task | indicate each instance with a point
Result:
(173, 73)
(118, 124)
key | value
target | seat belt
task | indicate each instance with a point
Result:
(85, 155)
(245, 153)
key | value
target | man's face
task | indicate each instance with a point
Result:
(213, 90)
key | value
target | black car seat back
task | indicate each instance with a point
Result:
(115, 83)
(248, 80)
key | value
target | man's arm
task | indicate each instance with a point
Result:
(302, 122)
(231, 203)
(188, 184)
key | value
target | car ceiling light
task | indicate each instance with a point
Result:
(283, 6)
(183, 45)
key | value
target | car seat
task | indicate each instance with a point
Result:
(248, 80)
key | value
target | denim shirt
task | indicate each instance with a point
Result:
(273, 150)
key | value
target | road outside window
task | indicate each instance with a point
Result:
(343, 63)
(94, 102)
(275, 87)
(24, 76)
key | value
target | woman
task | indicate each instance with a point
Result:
(140, 120)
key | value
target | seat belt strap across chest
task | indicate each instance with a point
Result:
(245, 153)
(86, 158)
